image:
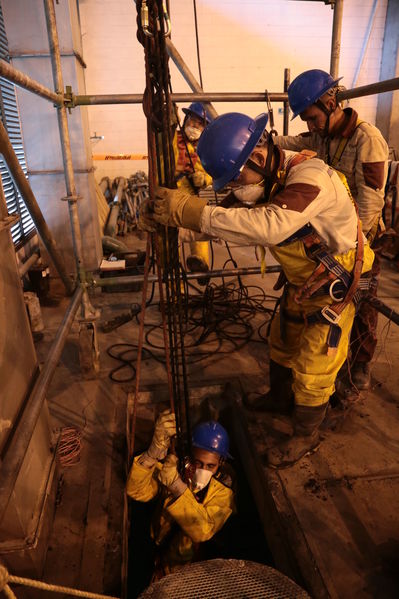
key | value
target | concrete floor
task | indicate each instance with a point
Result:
(331, 521)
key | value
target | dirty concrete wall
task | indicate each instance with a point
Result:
(29, 49)
(244, 46)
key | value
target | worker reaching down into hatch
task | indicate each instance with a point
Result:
(297, 206)
(194, 504)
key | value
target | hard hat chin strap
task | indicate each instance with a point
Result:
(327, 112)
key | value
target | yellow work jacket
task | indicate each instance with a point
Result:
(197, 522)
(186, 159)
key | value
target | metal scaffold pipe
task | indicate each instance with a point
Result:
(27, 194)
(368, 90)
(72, 196)
(204, 97)
(11, 74)
(188, 76)
(336, 38)
(15, 454)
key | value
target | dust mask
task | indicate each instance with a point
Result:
(249, 194)
(200, 479)
(192, 133)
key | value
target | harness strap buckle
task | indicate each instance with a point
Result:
(330, 315)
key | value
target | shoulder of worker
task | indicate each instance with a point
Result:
(364, 134)
(305, 140)
(225, 476)
(303, 168)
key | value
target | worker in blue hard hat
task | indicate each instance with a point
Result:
(358, 150)
(194, 502)
(190, 174)
(298, 207)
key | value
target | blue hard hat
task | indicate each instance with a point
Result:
(199, 110)
(307, 88)
(211, 436)
(226, 144)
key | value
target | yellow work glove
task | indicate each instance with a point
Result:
(146, 218)
(170, 477)
(198, 179)
(176, 208)
(165, 429)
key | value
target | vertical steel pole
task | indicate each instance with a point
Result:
(336, 37)
(287, 78)
(71, 197)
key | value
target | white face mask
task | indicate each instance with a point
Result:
(192, 133)
(200, 479)
(249, 194)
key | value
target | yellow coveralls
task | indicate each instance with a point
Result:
(311, 193)
(197, 522)
(183, 152)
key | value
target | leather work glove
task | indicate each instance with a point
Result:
(170, 477)
(198, 179)
(165, 429)
(146, 217)
(175, 208)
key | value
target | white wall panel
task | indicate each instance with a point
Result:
(244, 46)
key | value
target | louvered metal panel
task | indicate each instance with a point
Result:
(9, 114)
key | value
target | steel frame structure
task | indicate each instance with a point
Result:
(62, 101)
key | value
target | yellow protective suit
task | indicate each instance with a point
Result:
(181, 522)
(304, 347)
(186, 158)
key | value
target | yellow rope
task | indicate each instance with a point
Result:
(5, 578)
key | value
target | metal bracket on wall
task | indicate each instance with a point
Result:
(9, 221)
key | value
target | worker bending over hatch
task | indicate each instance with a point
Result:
(298, 207)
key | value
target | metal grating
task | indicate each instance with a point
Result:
(225, 579)
(9, 114)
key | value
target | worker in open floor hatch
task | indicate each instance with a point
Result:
(297, 206)
(358, 150)
(195, 503)
(190, 174)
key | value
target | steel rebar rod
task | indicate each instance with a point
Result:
(367, 90)
(12, 74)
(231, 272)
(336, 38)
(204, 97)
(72, 196)
(27, 194)
(16, 450)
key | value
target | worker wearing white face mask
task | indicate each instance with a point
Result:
(308, 221)
(190, 174)
(194, 504)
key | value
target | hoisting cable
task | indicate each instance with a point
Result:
(159, 111)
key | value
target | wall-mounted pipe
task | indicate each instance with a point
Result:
(18, 445)
(26, 192)
(11, 74)
(336, 38)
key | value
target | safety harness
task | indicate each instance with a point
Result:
(329, 277)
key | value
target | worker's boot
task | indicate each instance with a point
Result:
(305, 439)
(280, 397)
(198, 264)
(360, 373)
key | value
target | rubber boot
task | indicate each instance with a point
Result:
(280, 398)
(305, 439)
(361, 377)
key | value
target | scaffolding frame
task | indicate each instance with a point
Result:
(63, 100)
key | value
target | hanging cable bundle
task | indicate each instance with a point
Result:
(154, 26)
